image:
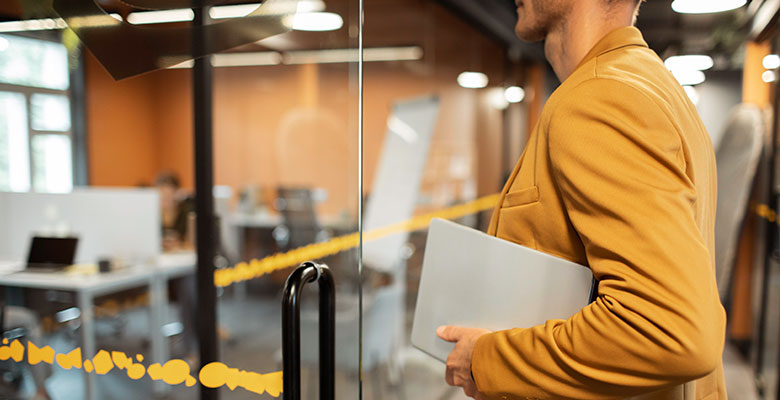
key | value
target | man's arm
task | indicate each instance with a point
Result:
(658, 321)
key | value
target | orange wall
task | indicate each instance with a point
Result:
(291, 125)
(121, 126)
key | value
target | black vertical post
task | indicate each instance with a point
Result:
(204, 199)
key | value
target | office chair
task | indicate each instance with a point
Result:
(299, 219)
(737, 157)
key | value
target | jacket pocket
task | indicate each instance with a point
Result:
(521, 197)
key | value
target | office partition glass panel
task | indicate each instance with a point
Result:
(289, 187)
(286, 164)
(438, 120)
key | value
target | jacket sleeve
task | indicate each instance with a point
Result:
(617, 162)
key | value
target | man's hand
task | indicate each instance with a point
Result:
(459, 361)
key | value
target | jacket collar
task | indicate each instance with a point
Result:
(617, 39)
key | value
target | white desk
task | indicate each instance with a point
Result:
(90, 286)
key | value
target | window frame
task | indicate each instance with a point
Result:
(76, 97)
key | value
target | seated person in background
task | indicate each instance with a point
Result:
(175, 208)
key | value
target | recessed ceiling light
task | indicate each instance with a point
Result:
(769, 76)
(161, 17)
(33, 25)
(514, 94)
(472, 80)
(771, 61)
(706, 6)
(234, 11)
(695, 62)
(315, 21)
(690, 77)
(246, 59)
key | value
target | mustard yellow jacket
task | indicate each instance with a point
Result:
(619, 175)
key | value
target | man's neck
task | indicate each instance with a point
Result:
(573, 37)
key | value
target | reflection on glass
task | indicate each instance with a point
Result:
(50, 112)
(32, 62)
(14, 155)
(52, 159)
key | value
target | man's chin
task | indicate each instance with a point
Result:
(529, 35)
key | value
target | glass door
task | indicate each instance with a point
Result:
(261, 131)
(444, 124)
(286, 153)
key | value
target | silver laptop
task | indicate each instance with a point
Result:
(473, 279)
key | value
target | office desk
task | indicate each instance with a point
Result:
(88, 287)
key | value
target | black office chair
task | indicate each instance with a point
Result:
(299, 219)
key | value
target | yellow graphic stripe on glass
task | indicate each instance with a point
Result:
(256, 268)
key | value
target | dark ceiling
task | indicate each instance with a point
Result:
(666, 31)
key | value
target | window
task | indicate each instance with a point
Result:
(35, 116)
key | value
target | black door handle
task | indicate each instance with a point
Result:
(291, 330)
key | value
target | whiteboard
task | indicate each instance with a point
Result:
(397, 181)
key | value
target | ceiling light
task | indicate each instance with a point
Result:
(706, 6)
(183, 65)
(772, 61)
(769, 76)
(497, 99)
(692, 93)
(4, 44)
(242, 10)
(472, 80)
(246, 59)
(234, 11)
(33, 25)
(695, 62)
(307, 6)
(376, 54)
(688, 77)
(160, 17)
(91, 21)
(409, 53)
(315, 21)
(514, 94)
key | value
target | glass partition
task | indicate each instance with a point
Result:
(99, 291)
(443, 126)
(111, 308)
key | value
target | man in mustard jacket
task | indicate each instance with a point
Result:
(619, 175)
